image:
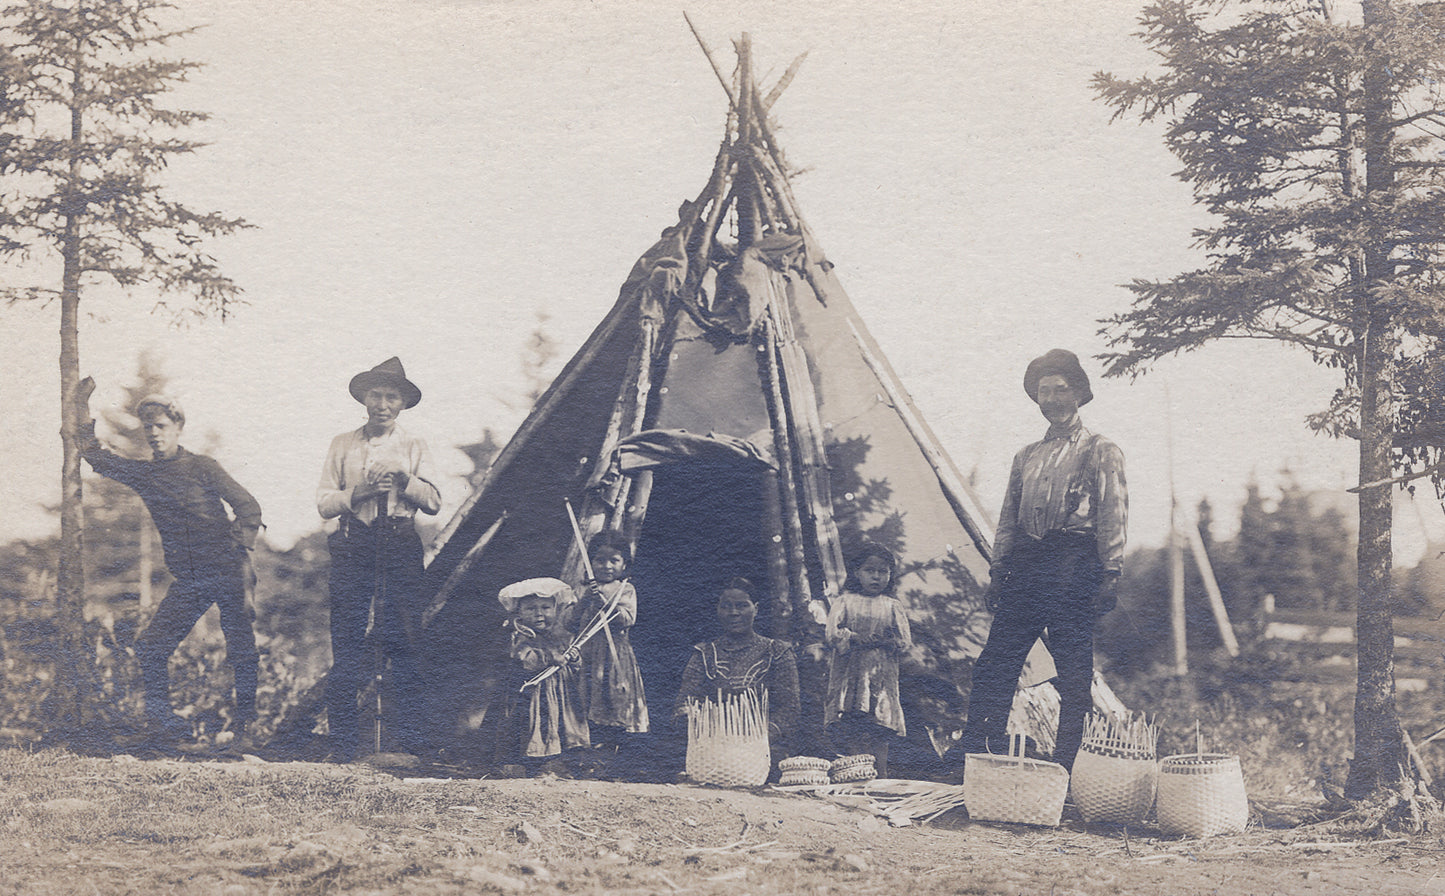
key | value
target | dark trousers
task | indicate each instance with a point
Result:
(188, 598)
(373, 566)
(1049, 584)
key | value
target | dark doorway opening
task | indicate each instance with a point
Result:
(704, 527)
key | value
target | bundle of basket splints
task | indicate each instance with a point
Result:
(728, 747)
(853, 781)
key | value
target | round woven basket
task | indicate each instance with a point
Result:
(852, 769)
(729, 761)
(803, 771)
(1113, 783)
(1201, 795)
(803, 764)
(855, 775)
(727, 742)
(804, 778)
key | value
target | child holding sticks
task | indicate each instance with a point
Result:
(611, 682)
(556, 719)
(868, 633)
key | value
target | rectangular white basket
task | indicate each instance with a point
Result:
(1014, 789)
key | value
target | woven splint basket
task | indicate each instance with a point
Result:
(803, 771)
(1201, 795)
(727, 741)
(1014, 788)
(852, 769)
(1115, 772)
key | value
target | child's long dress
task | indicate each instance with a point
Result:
(863, 677)
(611, 682)
(556, 716)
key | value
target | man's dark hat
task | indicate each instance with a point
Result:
(1058, 362)
(387, 373)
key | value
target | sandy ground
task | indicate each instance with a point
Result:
(122, 825)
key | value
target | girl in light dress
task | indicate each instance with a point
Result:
(867, 635)
(611, 682)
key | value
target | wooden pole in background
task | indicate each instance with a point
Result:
(1176, 551)
(1211, 588)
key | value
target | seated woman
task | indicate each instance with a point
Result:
(743, 660)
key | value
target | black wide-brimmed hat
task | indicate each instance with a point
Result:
(1058, 362)
(387, 373)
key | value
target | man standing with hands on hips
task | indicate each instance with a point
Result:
(1056, 560)
(206, 551)
(374, 481)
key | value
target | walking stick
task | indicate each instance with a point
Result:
(376, 621)
(374, 631)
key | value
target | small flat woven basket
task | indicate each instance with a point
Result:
(727, 741)
(804, 764)
(1201, 795)
(852, 769)
(1014, 788)
(1116, 771)
(803, 771)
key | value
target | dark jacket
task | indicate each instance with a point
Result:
(184, 495)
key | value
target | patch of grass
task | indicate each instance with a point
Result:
(1290, 736)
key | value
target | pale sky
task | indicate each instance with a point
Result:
(427, 177)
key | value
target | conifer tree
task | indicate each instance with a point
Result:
(1315, 143)
(85, 139)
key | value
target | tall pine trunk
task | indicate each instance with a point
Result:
(72, 661)
(71, 668)
(1379, 745)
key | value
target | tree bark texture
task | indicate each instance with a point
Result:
(1378, 744)
(72, 662)
(1379, 747)
(71, 693)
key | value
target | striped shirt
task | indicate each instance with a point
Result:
(1070, 481)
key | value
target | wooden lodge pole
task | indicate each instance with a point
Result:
(782, 447)
(1211, 588)
(802, 404)
(775, 543)
(460, 571)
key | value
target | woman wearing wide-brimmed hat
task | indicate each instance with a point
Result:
(373, 483)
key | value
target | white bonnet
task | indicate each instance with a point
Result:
(511, 595)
